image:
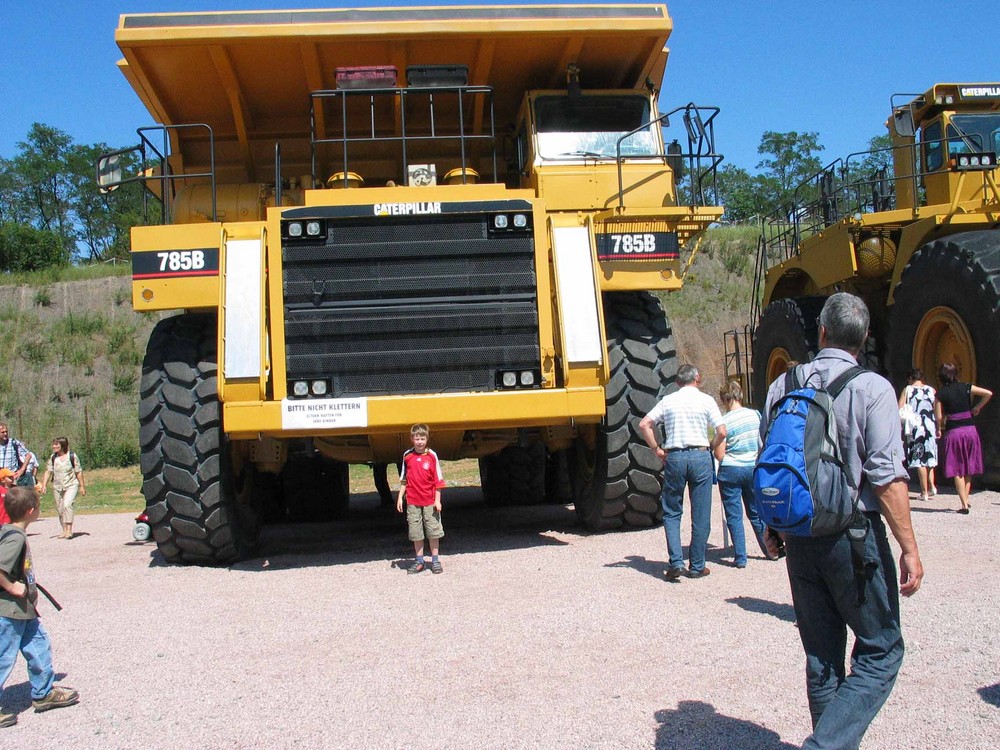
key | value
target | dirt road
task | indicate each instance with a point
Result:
(535, 636)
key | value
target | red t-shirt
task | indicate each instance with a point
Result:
(4, 518)
(422, 475)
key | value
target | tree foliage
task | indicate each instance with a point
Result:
(51, 211)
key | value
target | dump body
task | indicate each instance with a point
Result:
(391, 216)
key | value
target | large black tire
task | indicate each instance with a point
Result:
(787, 332)
(514, 476)
(960, 275)
(199, 510)
(617, 480)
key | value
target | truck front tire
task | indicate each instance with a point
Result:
(617, 479)
(200, 510)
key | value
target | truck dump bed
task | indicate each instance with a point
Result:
(248, 74)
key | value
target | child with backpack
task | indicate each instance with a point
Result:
(20, 628)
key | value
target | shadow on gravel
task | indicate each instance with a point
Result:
(784, 612)
(918, 509)
(990, 694)
(17, 698)
(696, 725)
(371, 533)
(641, 564)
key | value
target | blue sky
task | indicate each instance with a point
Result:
(828, 67)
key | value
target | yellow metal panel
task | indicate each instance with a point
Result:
(536, 408)
(154, 287)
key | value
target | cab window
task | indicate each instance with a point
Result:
(933, 153)
(589, 126)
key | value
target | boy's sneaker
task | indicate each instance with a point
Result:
(7, 720)
(58, 697)
(417, 567)
(436, 567)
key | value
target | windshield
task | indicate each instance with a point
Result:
(974, 133)
(590, 126)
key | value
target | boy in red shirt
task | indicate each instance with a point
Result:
(420, 481)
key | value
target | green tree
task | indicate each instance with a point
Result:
(790, 160)
(103, 219)
(25, 248)
(743, 194)
(43, 187)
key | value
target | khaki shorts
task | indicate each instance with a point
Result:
(423, 522)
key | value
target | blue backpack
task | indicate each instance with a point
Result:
(799, 483)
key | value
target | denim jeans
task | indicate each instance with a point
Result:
(736, 484)
(825, 594)
(30, 638)
(692, 469)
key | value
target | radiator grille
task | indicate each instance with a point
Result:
(410, 305)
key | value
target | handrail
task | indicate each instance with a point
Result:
(700, 131)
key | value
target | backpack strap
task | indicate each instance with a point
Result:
(792, 381)
(840, 382)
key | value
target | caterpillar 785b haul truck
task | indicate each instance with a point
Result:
(912, 228)
(378, 217)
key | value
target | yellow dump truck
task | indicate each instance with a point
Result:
(911, 228)
(378, 217)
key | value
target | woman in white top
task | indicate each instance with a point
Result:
(737, 455)
(66, 475)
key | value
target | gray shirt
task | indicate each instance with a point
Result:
(867, 414)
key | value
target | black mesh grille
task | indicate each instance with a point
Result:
(410, 305)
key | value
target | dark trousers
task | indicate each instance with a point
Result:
(825, 595)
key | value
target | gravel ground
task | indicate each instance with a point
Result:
(535, 636)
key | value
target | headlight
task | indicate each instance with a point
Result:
(318, 388)
(300, 388)
(313, 228)
(509, 379)
(520, 221)
(500, 221)
(527, 378)
(295, 229)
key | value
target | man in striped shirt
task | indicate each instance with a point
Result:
(686, 452)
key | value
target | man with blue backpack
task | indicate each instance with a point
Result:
(830, 471)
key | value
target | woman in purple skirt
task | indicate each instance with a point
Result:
(954, 410)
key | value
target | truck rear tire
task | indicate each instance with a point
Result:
(617, 480)
(514, 476)
(200, 510)
(947, 308)
(787, 332)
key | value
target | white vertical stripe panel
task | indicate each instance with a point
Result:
(244, 316)
(578, 294)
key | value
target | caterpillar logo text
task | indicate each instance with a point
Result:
(405, 209)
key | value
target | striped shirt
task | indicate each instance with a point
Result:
(742, 437)
(12, 453)
(686, 414)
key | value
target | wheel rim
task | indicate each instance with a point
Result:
(777, 363)
(942, 336)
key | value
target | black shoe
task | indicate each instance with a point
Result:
(436, 567)
(699, 573)
(964, 511)
(673, 574)
(417, 567)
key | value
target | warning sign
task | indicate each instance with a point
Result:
(307, 414)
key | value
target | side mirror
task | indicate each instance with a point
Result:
(902, 121)
(109, 172)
